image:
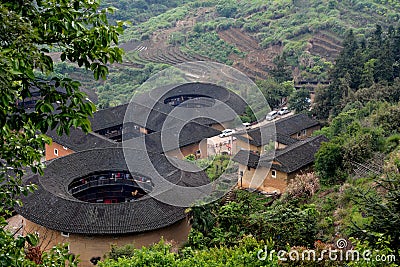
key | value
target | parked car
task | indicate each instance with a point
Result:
(272, 115)
(283, 111)
(226, 132)
(246, 124)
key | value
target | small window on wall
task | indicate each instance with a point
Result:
(248, 168)
(273, 173)
(304, 132)
(241, 173)
(56, 151)
(95, 260)
(64, 234)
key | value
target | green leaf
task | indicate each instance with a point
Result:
(59, 130)
(32, 239)
(46, 108)
(20, 242)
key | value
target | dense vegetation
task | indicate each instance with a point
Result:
(281, 21)
(120, 84)
(366, 69)
(29, 29)
(161, 255)
(364, 134)
(209, 44)
(138, 11)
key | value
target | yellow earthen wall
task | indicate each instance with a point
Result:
(96, 246)
(190, 149)
(261, 179)
(309, 132)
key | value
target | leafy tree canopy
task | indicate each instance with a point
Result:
(366, 69)
(29, 31)
(274, 92)
(300, 100)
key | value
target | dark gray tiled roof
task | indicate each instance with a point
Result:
(107, 118)
(77, 140)
(247, 158)
(259, 136)
(291, 158)
(282, 129)
(161, 117)
(298, 155)
(191, 133)
(285, 139)
(294, 124)
(173, 138)
(52, 206)
(268, 135)
(152, 103)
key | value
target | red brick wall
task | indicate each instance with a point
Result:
(62, 151)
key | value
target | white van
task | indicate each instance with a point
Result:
(247, 125)
(283, 111)
(272, 115)
(226, 132)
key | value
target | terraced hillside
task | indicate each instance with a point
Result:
(325, 45)
(158, 48)
(257, 60)
(247, 35)
(261, 30)
(164, 53)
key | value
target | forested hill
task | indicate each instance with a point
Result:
(137, 11)
(249, 35)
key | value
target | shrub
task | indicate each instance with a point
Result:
(328, 163)
(302, 186)
(116, 252)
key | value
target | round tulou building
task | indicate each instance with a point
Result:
(91, 200)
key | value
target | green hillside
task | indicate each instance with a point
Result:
(249, 35)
